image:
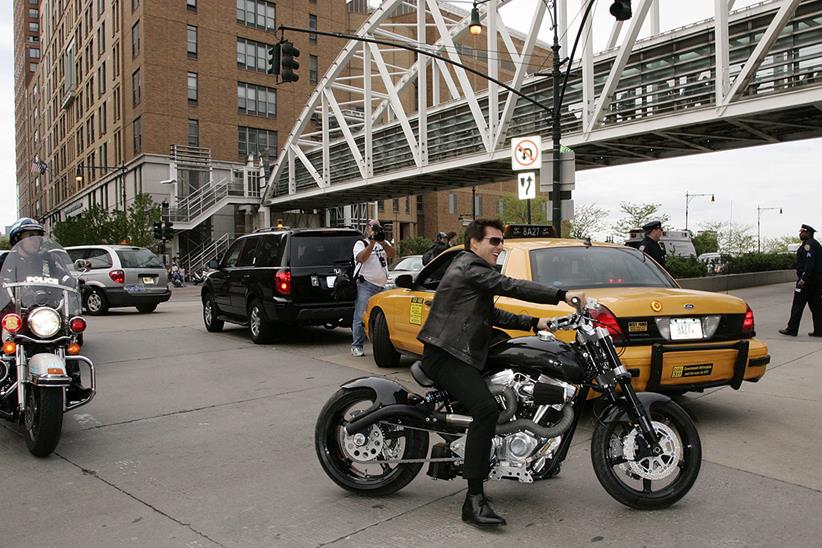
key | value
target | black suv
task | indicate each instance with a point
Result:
(280, 276)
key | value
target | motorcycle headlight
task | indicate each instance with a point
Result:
(44, 322)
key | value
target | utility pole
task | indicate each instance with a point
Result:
(556, 132)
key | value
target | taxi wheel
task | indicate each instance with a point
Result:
(95, 302)
(385, 355)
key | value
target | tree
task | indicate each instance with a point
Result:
(779, 245)
(142, 214)
(515, 211)
(733, 238)
(636, 215)
(100, 226)
(4, 242)
(587, 220)
(706, 242)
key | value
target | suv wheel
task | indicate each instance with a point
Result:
(210, 312)
(385, 355)
(95, 302)
(260, 327)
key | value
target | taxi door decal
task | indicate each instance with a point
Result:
(415, 311)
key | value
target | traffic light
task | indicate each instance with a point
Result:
(273, 59)
(168, 231)
(288, 62)
(621, 10)
(158, 231)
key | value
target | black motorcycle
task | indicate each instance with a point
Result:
(372, 435)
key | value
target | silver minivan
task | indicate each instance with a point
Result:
(121, 275)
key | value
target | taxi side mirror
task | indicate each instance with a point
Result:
(405, 281)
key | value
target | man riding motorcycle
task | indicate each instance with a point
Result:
(31, 260)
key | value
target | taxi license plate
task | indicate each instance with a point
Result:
(329, 280)
(148, 280)
(685, 328)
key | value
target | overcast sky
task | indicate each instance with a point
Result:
(784, 175)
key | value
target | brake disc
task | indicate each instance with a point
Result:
(653, 467)
(364, 446)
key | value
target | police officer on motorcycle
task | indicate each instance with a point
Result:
(457, 336)
(29, 259)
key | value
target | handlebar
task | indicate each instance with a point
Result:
(571, 321)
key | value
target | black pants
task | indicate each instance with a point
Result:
(465, 384)
(812, 296)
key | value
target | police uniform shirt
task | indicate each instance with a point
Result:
(809, 261)
(653, 249)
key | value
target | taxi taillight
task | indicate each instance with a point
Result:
(12, 323)
(77, 324)
(282, 281)
(606, 319)
(748, 323)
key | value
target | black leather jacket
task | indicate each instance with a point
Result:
(463, 315)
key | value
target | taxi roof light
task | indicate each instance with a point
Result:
(528, 231)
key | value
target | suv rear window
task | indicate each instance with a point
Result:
(138, 258)
(322, 248)
(587, 267)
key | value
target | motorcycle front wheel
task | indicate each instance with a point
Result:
(653, 482)
(43, 419)
(358, 463)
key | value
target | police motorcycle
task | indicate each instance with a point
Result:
(372, 436)
(40, 366)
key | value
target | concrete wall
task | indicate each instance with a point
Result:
(728, 282)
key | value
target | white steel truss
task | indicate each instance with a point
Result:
(387, 111)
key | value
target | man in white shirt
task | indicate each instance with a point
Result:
(371, 273)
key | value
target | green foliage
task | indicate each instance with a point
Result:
(636, 215)
(779, 245)
(4, 242)
(760, 262)
(732, 237)
(413, 246)
(515, 211)
(705, 242)
(684, 267)
(99, 226)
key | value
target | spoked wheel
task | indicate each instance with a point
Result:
(357, 462)
(654, 481)
(43, 419)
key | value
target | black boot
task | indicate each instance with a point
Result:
(476, 510)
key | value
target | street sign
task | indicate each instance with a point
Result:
(527, 185)
(526, 153)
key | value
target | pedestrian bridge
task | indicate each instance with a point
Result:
(747, 77)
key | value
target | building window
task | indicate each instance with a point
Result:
(191, 41)
(135, 4)
(34, 27)
(313, 69)
(101, 7)
(192, 87)
(395, 205)
(138, 135)
(452, 203)
(312, 25)
(478, 205)
(408, 204)
(135, 88)
(101, 79)
(252, 55)
(500, 207)
(135, 40)
(101, 118)
(256, 100)
(191, 4)
(257, 13)
(34, 53)
(193, 133)
(34, 14)
(256, 141)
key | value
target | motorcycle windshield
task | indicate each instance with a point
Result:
(38, 272)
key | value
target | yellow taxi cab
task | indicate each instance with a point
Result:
(670, 339)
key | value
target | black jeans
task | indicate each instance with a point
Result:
(812, 296)
(465, 384)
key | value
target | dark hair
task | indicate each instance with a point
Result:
(476, 230)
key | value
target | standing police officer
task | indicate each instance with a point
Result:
(808, 285)
(650, 245)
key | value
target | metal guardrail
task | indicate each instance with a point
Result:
(196, 261)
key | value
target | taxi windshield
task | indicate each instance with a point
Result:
(588, 267)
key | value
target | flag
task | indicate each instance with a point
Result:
(38, 166)
(43, 167)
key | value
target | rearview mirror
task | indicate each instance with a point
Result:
(213, 264)
(405, 280)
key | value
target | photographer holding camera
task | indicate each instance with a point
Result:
(371, 270)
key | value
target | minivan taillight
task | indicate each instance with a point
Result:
(117, 276)
(282, 281)
(748, 323)
(606, 319)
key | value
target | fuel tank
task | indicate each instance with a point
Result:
(554, 358)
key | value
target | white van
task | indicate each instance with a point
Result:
(676, 243)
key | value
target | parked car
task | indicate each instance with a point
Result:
(670, 339)
(278, 277)
(120, 276)
(410, 264)
(713, 263)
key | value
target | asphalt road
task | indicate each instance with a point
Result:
(200, 439)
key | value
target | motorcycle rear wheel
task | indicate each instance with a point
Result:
(370, 477)
(43, 419)
(633, 482)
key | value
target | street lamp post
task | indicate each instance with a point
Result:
(688, 198)
(759, 211)
(121, 169)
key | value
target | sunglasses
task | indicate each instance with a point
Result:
(494, 241)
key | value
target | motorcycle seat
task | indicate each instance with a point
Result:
(419, 375)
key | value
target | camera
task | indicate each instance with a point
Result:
(378, 233)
